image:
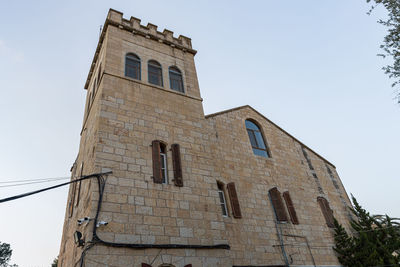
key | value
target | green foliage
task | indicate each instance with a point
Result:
(374, 240)
(391, 42)
(55, 262)
(5, 254)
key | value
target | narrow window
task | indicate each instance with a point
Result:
(163, 159)
(155, 73)
(175, 79)
(79, 186)
(177, 164)
(99, 74)
(326, 211)
(132, 66)
(222, 199)
(290, 207)
(160, 172)
(256, 139)
(72, 191)
(277, 205)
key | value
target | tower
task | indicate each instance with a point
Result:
(143, 98)
(226, 189)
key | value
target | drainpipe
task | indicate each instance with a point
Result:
(278, 231)
(308, 246)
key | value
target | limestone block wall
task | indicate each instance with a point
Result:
(254, 238)
(122, 118)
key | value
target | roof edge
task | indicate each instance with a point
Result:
(277, 126)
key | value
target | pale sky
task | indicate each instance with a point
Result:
(309, 66)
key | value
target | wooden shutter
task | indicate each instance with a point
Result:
(146, 265)
(234, 200)
(326, 211)
(277, 204)
(177, 164)
(188, 265)
(289, 205)
(157, 176)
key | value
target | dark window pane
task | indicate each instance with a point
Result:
(252, 138)
(132, 67)
(176, 81)
(260, 152)
(251, 125)
(260, 140)
(155, 74)
(223, 210)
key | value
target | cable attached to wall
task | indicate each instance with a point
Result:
(97, 240)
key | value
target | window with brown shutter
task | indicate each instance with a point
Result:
(290, 207)
(73, 191)
(326, 211)
(188, 265)
(146, 265)
(79, 187)
(157, 173)
(277, 204)
(177, 164)
(234, 200)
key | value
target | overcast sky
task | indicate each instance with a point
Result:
(309, 66)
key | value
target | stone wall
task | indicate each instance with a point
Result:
(123, 116)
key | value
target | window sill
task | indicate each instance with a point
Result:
(154, 86)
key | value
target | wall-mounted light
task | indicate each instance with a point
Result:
(78, 239)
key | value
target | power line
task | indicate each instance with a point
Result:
(32, 180)
(51, 187)
(37, 182)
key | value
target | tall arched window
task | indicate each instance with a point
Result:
(132, 66)
(175, 79)
(256, 139)
(155, 73)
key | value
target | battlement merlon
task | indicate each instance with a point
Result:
(133, 25)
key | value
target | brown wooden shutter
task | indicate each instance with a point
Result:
(177, 164)
(326, 211)
(146, 265)
(277, 204)
(234, 200)
(289, 205)
(188, 265)
(157, 176)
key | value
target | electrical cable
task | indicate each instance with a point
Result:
(32, 180)
(38, 182)
(97, 240)
(49, 188)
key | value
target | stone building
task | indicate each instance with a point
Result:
(188, 189)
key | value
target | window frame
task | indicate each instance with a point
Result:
(164, 170)
(136, 58)
(253, 132)
(224, 205)
(155, 64)
(172, 69)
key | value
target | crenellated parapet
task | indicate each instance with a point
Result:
(150, 31)
(115, 18)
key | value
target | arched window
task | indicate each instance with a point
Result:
(175, 79)
(256, 139)
(155, 73)
(132, 66)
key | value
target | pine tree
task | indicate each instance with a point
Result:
(374, 241)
